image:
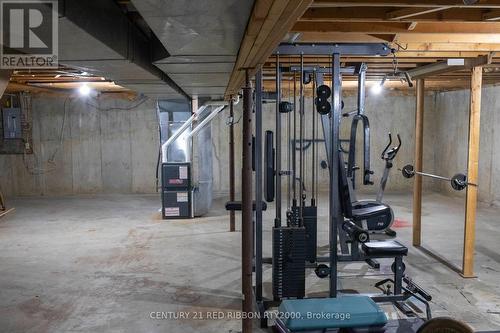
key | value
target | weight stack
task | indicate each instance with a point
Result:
(310, 223)
(289, 256)
(293, 216)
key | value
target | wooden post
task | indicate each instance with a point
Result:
(2, 202)
(472, 171)
(417, 185)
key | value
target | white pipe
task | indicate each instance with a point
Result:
(164, 147)
(205, 121)
(220, 106)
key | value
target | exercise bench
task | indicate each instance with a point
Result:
(320, 314)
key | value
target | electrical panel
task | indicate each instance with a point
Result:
(12, 123)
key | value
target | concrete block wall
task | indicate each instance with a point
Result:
(106, 147)
(451, 146)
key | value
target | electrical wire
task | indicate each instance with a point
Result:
(141, 101)
(51, 165)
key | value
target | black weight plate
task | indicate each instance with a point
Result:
(322, 271)
(393, 267)
(324, 108)
(408, 171)
(323, 91)
(459, 182)
(320, 100)
(286, 107)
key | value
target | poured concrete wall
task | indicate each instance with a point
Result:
(106, 147)
(113, 149)
(387, 112)
(452, 125)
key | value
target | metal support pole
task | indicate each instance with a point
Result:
(301, 141)
(232, 213)
(398, 275)
(258, 186)
(335, 213)
(314, 146)
(246, 203)
(277, 221)
(294, 145)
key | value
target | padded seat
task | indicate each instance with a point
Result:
(389, 248)
(328, 313)
(236, 205)
(364, 213)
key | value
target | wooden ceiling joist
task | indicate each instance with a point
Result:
(407, 3)
(423, 33)
(269, 22)
(412, 12)
(448, 66)
(397, 27)
(492, 15)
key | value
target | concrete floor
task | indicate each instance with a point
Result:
(103, 264)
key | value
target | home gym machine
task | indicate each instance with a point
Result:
(292, 253)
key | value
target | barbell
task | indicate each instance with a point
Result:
(458, 182)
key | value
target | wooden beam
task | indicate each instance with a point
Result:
(408, 14)
(412, 12)
(472, 172)
(447, 38)
(476, 47)
(412, 26)
(440, 54)
(419, 144)
(397, 27)
(343, 37)
(492, 15)
(431, 84)
(7, 211)
(448, 66)
(2, 201)
(268, 24)
(5, 75)
(387, 38)
(402, 3)
(412, 40)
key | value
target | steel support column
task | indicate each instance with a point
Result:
(232, 213)
(258, 185)
(277, 221)
(246, 202)
(335, 213)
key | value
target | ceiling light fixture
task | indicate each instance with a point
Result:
(84, 90)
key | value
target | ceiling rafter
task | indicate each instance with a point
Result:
(397, 27)
(402, 3)
(412, 12)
